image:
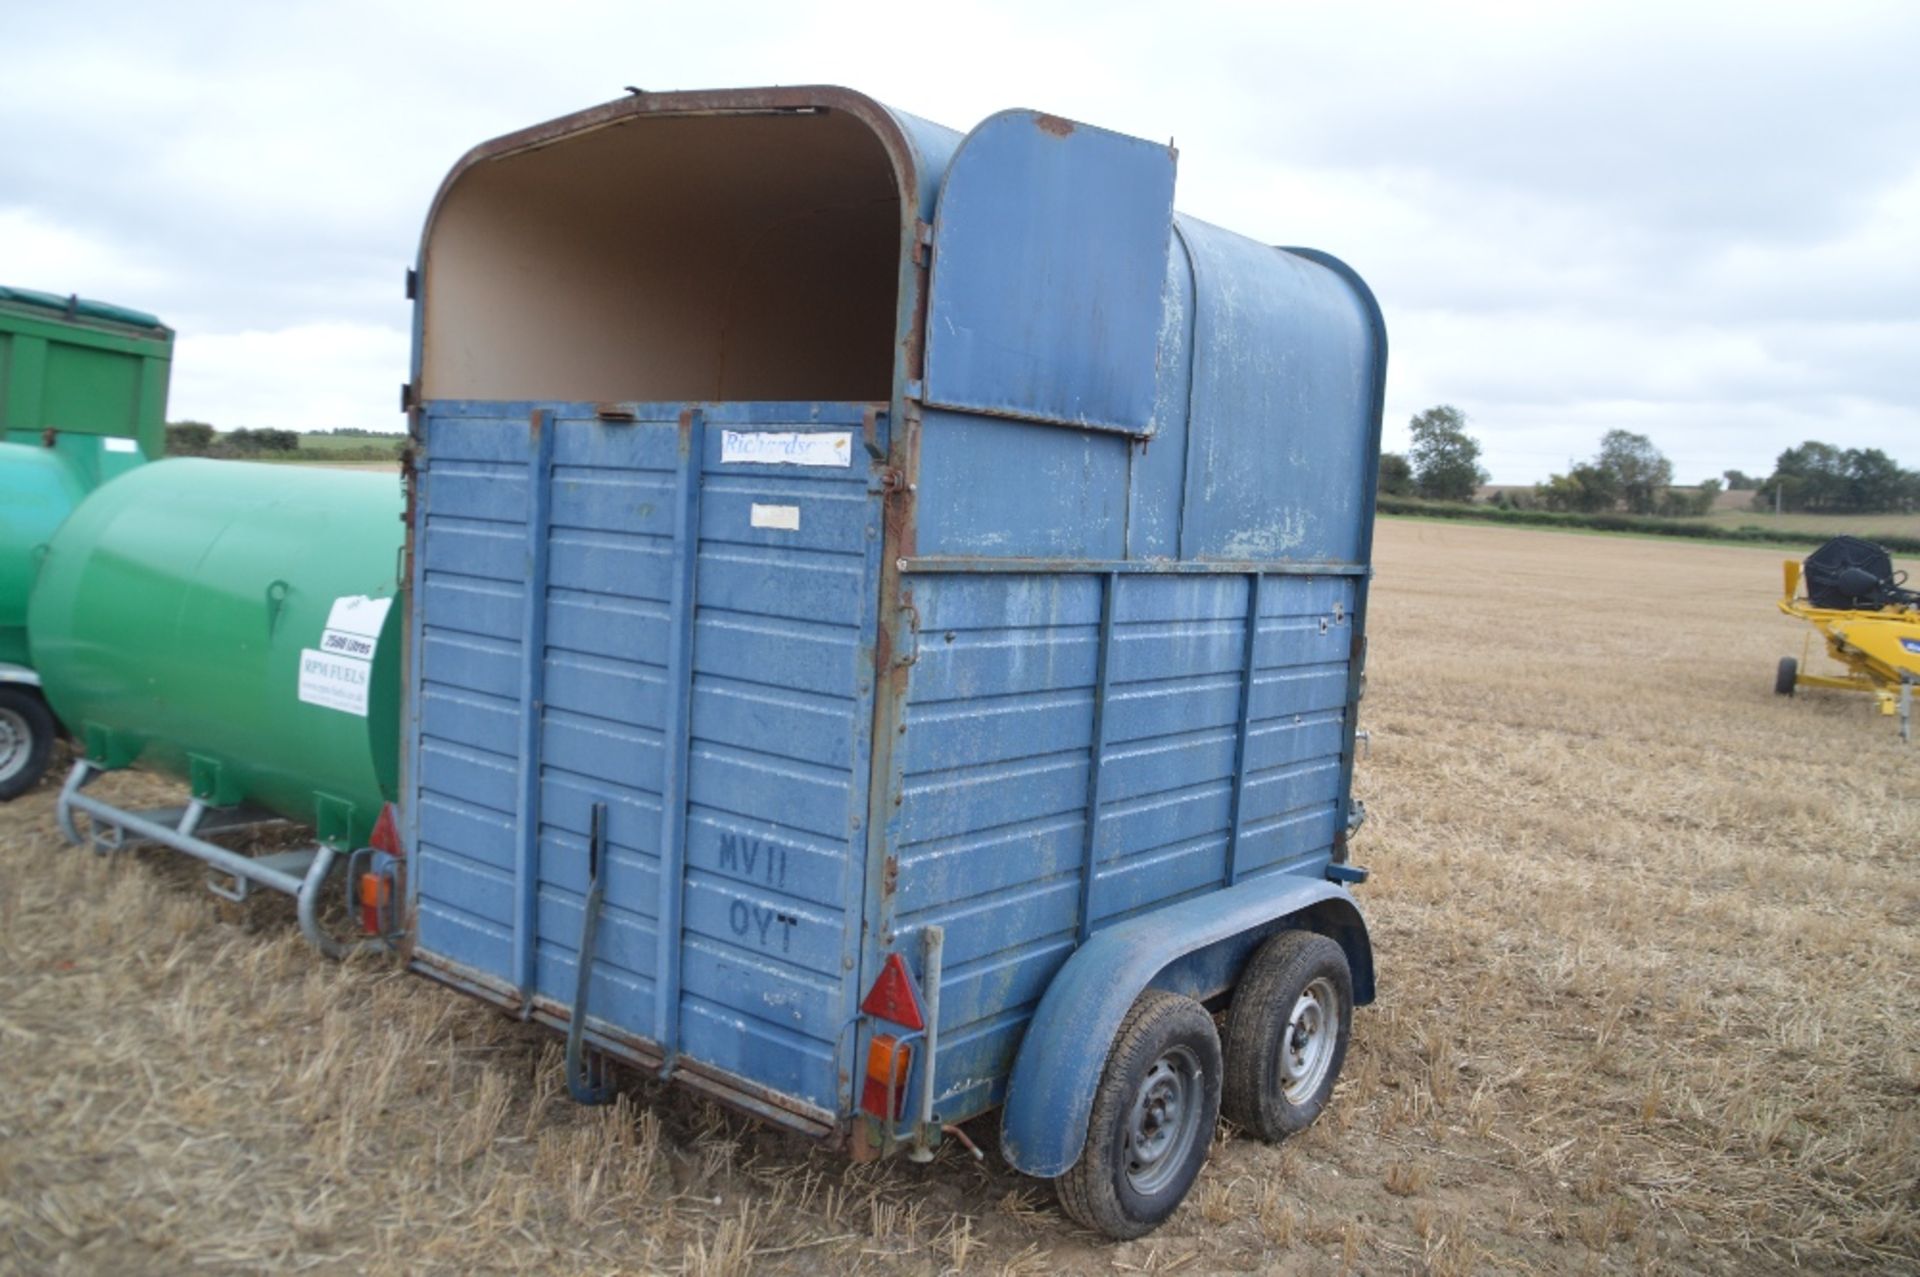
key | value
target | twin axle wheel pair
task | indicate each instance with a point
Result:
(1168, 1077)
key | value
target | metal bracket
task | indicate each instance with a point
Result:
(295, 873)
(587, 1079)
(933, 942)
(909, 655)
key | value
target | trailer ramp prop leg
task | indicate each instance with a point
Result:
(299, 873)
(587, 1079)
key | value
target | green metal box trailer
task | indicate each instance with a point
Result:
(83, 399)
(94, 374)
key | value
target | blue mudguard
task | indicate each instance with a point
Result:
(1050, 1094)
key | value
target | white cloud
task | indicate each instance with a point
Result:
(308, 377)
(1698, 220)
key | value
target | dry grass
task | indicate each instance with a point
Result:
(1645, 935)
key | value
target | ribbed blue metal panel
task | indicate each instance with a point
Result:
(763, 765)
(999, 752)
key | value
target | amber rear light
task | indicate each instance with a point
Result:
(888, 1061)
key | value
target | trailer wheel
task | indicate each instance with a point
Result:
(1152, 1121)
(1787, 677)
(26, 740)
(1287, 1034)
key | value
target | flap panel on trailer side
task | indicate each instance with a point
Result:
(1050, 256)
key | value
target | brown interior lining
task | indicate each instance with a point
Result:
(718, 257)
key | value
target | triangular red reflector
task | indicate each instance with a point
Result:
(892, 996)
(386, 834)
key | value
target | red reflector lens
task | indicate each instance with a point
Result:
(386, 833)
(892, 996)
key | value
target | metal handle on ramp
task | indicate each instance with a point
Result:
(587, 1074)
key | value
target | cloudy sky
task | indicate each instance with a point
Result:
(1697, 221)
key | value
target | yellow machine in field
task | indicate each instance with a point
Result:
(1870, 621)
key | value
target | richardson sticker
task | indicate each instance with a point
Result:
(334, 682)
(781, 518)
(353, 627)
(786, 447)
(1912, 645)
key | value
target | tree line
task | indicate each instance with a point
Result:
(198, 439)
(1630, 474)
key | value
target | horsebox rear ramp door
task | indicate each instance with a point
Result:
(624, 607)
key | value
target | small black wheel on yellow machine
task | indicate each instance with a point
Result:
(1787, 677)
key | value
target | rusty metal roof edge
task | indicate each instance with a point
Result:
(888, 128)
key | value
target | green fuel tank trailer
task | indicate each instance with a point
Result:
(38, 490)
(230, 624)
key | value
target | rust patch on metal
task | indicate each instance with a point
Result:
(1053, 124)
(863, 1147)
(686, 433)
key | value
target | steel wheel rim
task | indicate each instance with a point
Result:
(1308, 1040)
(1164, 1121)
(16, 743)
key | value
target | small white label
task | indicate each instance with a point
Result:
(353, 626)
(334, 682)
(787, 447)
(119, 445)
(785, 518)
(358, 614)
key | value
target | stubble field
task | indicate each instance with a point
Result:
(1646, 940)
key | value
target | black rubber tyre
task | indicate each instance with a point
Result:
(1787, 677)
(1152, 1122)
(27, 730)
(1287, 1034)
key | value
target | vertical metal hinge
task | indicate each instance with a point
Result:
(413, 284)
(922, 242)
(406, 396)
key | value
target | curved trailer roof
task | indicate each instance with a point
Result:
(812, 244)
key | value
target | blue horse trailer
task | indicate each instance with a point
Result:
(886, 628)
